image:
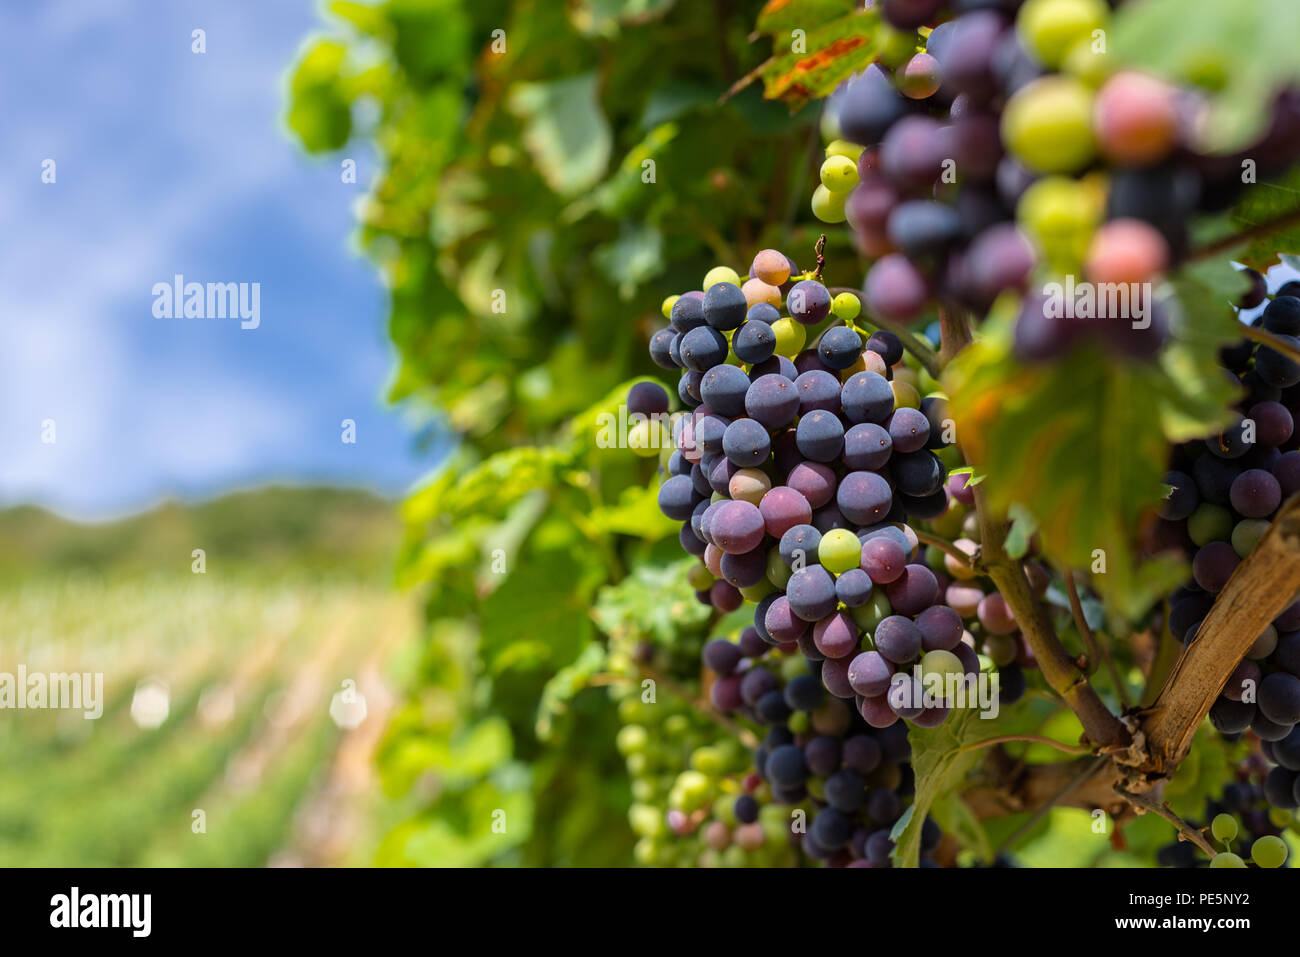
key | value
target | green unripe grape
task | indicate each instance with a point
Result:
(632, 739)
(1246, 535)
(986, 664)
(643, 790)
(1088, 63)
(927, 382)
(816, 788)
(699, 577)
(758, 592)
(839, 174)
(1003, 649)
(647, 438)
(1047, 125)
(1224, 828)
(877, 609)
(1050, 28)
(1209, 523)
(676, 724)
(839, 550)
(790, 337)
(846, 306)
(942, 663)
(828, 206)
(666, 307)
(799, 722)
(632, 709)
(777, 572)
(734, 856)
(845, 148)
(791, 668)
(645, 852)
(895, 47)
(1280, 817)
(1060, 215)
(638, 764)
(1269, 851)
(905, 394)
(646, 821)
(720, 274)
(829, 125)
(934, 557)
(708, 761)
(1227, 859)
(948, 525)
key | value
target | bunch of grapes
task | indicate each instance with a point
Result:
(1241, 818)
(1225, 491)
(1004, 153)
(794, 481)
(685, 770)
(819, 756)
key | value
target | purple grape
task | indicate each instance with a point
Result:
(853, 588)
(865, 397)
(835, 678)
(913, 591)
(814, 481)
(811, 593)
(746, 443)
(820, 436)
(782, 623)
(809, 302)
(898, 639)
(723, 391)
(895, 288)
(867, 446)
(883, 559)
(940, 628)
(1255, 494)
(835, 637)
(819, 390)
(1279, 698)
(864, 498)
(909, 429)
(1213, 565)
(869, 673)
(737, 527)
(772, 401)
(913, 152)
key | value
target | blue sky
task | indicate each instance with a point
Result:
(167, 162)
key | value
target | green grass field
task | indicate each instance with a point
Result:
(216, 745)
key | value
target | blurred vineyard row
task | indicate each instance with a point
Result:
(223, 691)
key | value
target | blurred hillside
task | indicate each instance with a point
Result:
(308, 530)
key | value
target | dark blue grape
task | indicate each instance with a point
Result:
(746, 443)
(688, 388)
(703, 348)
(867, 397)
(1182, 501)
(754, 342)
(864, 498)
(803, 693)
(724, 306)
(661, 349)
(886, 345)
(800, 542)
(677, 497)
(922, 228)
(1279, 698)
(839, 347)
(917, 474)
(786, 767)
(908, 429)
(709, 430)
(1276, 369)
(1282, 315)
(820, 436)
(723, 390)
(853, 588)
(811, 593)
(687, 314)
(866, 446)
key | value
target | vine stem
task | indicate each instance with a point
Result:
(1032, 738)
(946, 546)
(1272, 340)
(1254, 232)
(819, 249)
(1080, 622)
(1185, 831)
(911, 343)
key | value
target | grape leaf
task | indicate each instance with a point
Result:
(1263, 203)
(1243, 51)
(1081, 444)
(564, 130)
(817, 45)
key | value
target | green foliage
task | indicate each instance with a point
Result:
(835, 39)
